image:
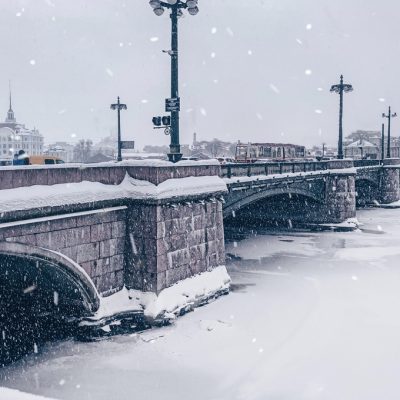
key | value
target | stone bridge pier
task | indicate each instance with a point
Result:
(389, 182)
(378, 184)
(340, 194)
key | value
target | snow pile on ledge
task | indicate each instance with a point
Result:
(348, 223)
(86, 192)
(170, 302)
(12, 394)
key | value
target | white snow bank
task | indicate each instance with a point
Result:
(12, 394)
(87, 192)
(395, 204)
(184, 295)
(349, 223)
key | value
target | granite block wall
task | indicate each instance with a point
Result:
(95, 240)
(171, 242)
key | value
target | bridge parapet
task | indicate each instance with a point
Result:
(278, 168)
(155, 172)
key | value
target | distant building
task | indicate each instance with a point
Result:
(362, 149)
(214, 148)
(15, 136)
(369, 142)
(62, 150)
(373, 137)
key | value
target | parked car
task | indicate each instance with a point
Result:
(226, 160)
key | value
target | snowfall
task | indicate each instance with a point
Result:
(310, 315)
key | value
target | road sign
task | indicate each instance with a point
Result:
(127, 144)
(173, 104)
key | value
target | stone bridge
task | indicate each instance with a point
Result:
(85, 232)
(308, 192)
(75, 234)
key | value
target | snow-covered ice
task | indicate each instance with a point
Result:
(306, 319)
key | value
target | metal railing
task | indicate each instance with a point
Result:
(232, 170)
(272, 168)
(367, 163)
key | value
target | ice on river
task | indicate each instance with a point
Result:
(310, 316)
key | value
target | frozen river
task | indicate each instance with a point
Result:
(310, 316)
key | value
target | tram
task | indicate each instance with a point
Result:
(253, 152)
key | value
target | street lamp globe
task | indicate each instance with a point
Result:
(172, 1)
(193, 11)
(155, 3)
(191, 3)
(159, 11)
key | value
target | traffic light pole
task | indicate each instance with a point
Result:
(175, 149)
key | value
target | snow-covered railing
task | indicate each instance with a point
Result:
(367, 163)
(273, 168)
(231, 170)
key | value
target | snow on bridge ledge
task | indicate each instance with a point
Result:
(19, 199)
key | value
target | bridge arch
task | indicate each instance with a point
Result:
(367, 190)
(53, 266)
(256, 196)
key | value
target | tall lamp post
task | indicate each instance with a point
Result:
(173, 106)
(383, 142)
(341, 88)
(389, 116)
(119, 106)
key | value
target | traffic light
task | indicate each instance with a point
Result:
(166, 121)
(156, 121)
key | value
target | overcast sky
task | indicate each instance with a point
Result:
(254, 70)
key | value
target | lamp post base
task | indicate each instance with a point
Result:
(174, 157)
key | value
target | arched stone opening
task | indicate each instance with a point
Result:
(275, 209)
(367, 192)
(43, 294)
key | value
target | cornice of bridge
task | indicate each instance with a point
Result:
(236, 183)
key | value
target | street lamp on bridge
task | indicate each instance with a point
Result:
(173, 104)
(119, 106)
(389, 116)
(341, 88)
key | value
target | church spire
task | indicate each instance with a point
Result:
(9, 86)
(10, 114)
